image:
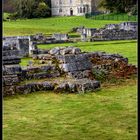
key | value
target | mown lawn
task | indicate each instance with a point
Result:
(113, 16)
(109, 114)
(50, 25)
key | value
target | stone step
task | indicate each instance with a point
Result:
(74, 86)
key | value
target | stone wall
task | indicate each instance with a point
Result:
(18, 44)
(11, 72)
(114, 34)
(63, 69)
(122, 31)
(60, 37)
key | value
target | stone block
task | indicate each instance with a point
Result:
(11, 69)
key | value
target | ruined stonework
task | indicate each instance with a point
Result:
(24, 46)
(72, 7)
(18, 45)
(60, 37)
(11, 72)
(122, 31)
(63, 69)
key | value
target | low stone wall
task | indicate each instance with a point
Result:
(114, 34)
(20, 46)
(63, 69)
(122, 31)
(60, 37)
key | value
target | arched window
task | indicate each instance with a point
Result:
(84, 10)
(60, 10)
(80, 9)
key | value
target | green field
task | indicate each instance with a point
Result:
(113, 16)
(50, 25)
(108, 114)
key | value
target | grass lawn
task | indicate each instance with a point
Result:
(114, 16)
(50, 25)
(109, 114)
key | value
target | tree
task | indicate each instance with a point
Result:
(8, 6)
(32, 8)
(121, 6)
(42, 10)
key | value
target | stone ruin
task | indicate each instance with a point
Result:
(24, 46)
(55, 38)
(21, 46)
(62, 69)
(61, 37)
(122, 31)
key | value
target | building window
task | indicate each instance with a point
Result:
(60, 10)
(70, 1)
(84, 10)
(60, 1)
(80, 9)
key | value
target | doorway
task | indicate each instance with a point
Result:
(71, 12)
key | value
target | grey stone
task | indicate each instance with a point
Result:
(9, 80)
(11, 69)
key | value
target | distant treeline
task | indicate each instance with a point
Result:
(120, 6)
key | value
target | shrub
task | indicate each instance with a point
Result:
(100, 74)
(13, 16)
(133, 10)
(42, 11)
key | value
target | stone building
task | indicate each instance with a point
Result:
(72, 7)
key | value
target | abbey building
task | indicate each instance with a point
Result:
(72, 7)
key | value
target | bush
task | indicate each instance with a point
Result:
(42, 11)
(13, 16)
(100, 74)
(133, 10)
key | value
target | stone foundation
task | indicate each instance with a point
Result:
(63, 69)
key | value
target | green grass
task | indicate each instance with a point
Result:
(114, 16)
(109, 114)
(127, 48)
(5, 16)
(25, 61)
(50, 25)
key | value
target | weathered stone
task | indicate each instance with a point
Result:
(9, 80)
(55, 51)
(80, 74)
(60, 36)
(24, 89)
(62, 87)
(88, 85)
(11, 69)
(8, 91)
(72, 87)
(48, 86)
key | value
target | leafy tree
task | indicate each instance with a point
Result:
(32, 8)
(42, 10)
(8, 6)
(121, 6)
